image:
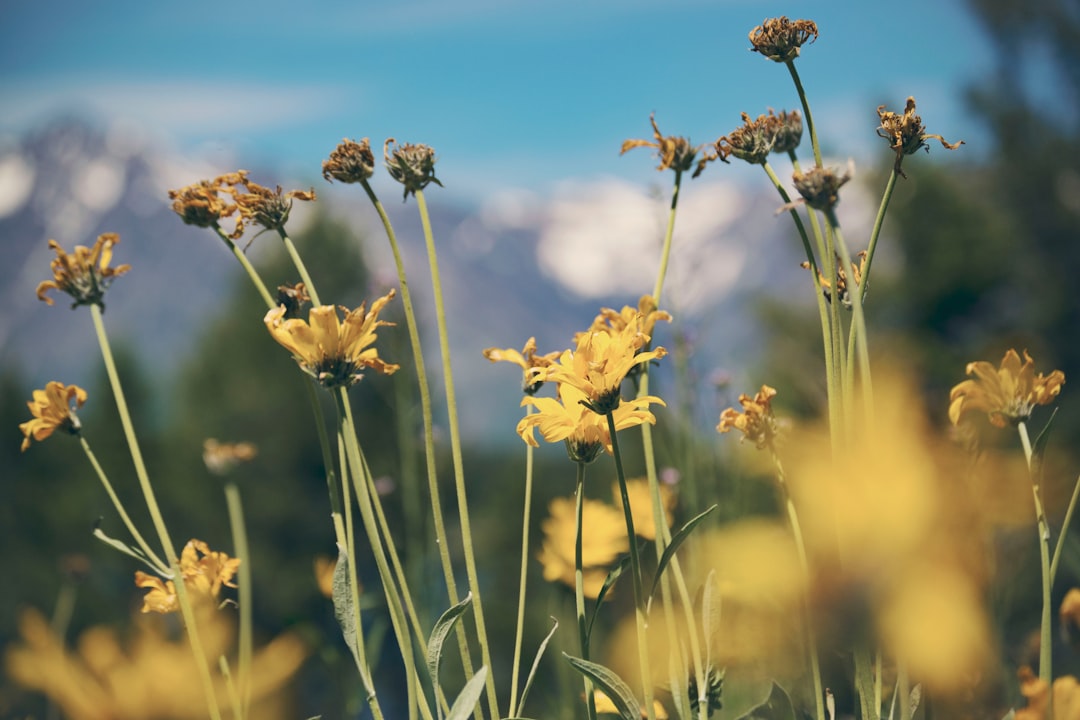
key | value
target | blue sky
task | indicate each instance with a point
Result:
(510, 94)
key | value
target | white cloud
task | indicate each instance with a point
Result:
(16, 183)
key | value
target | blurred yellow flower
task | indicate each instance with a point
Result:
(1066, 697)
(601, 362)
(153, 676)
(675, 152)
(641, 505)
(1007, 394)
(204, 571)
(569, 418)
(52, 409)
(603, 539)
(527, 359)
(85, 274)
(220, 457)
(756, 421)
(324, 574)
(605, 705)
(331, 350)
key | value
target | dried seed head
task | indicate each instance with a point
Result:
(789, 127)
(779, 39)
(207, 202)
(906, 133)
(268, 208)
(752, 142)
(411, 165)
(820, 187)
(675, 152)
(350, 162)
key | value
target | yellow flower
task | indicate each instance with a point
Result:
(85, 274)
(646, 314)
(675, 152)
(1007, 394)
(350, 162)
(527, 359)
(202, 204)
(779, 39)
(268, 208)
(1066, 697)
(600, 364)
(220, 457)
(641, 505)
(756, 421)
(204, 572)
(569, 418)
(603, 539)
(906, 134)
(324, 574)
(151, 676)
(331, 350)
(605, 705)
(52, 410)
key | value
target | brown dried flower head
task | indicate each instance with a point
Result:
(268, 208)
(674, 152)
(350, 162)
(789, 129)
(756, 421)
(779, 39)
(203, 204)
(906, 133)
(411, 165)
(857, 271)
(293, 297)
(820, 187)
(84, 274)
(752, 141)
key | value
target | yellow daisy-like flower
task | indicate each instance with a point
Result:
(569, 418)
(601, 362)
(527, 359)
(646, 314)
(756, 421)
(52, 409)
(906, 134)
(85, 274)
(675, 152)
(333, 351)
(603, 539)
(641, 505)
(1007, 394)
(204, 572)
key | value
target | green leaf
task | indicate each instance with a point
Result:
(126, 549)
(776, 707)
(608, 582)
(470, 694)
(439, 634)
(536, 664)
(1038, 448)
(612, 685)
(1010, 715)
(676, 541)
(344, 611)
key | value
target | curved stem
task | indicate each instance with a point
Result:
(806, 111)
(579, 586)
(243, 595)
(455, 448)
(879, 222)
(665, 254)
(520, 630)
(1045, 637)
(246, 264)
(1064, 531)
(298, 263)
(858, 320)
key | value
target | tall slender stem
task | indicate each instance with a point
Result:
(246, 264)
(298, 263)
(455, 448)
(859, 319)
(243, 594)
(519, 632)
(1043, 526)
(579, 585)
(806, 111)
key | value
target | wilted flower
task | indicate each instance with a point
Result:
(756, 421)
(52, 409)
(752, 141)
(1066, 697)
(1007, 394)
(411, 165)
(333, 351)
(820, 187)
(350, 162)
(675, 152)
(203, 204)
(603, 539)
(527, 359)
(293, 297)
(906, 134)
(268, 208)
(204, 572)
(841, 279)
(789, 129)
(220, 457)
(779, 39)
(85, 274)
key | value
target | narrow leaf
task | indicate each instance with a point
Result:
(343, 606)
(612, 576)
(439, 634)
(612, 685)
(776, 707)
(677, 540)
(470, 694)
(126, 549)
(536, 664)
(1038, 448)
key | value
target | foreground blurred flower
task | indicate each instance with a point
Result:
(605, 705)
(641, 505)
(333, 351)
(52, 410)
(600, 363)
(1066, 697)
(221, 457)
(265, 207)
(1007, 394)
(569, 418)
(675, 152)
(208, 202)
(645, 315)
(756, 421)
(527, 359)
(906, 134)
(152, 676)
(779, 39)
(324, 574)
(603, 539)
(350, 162)
(411, 165)
(204, 571)
(85, 274)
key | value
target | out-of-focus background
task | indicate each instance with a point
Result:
(106, 106)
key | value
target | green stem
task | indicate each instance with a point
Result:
(635, 565)
(186, 609)
(298, 263)
(243, 594)
(455, 448)
(520, 629)
(441, 537)
(1064, 531)
(665, 254)
(879, 222)
(1043, 527)
(246, 264)
(579, 585)
(815, 224)
(806, 111)
(858, 321)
